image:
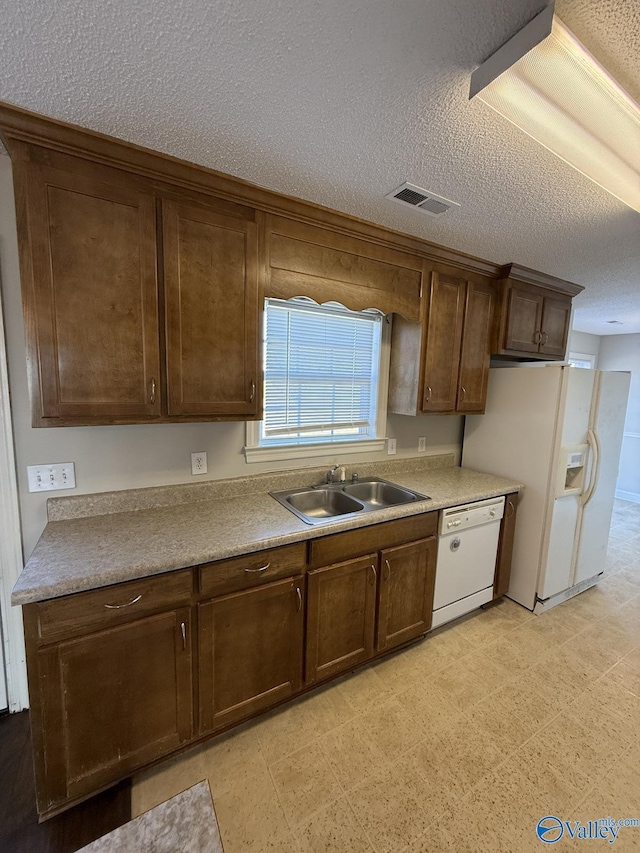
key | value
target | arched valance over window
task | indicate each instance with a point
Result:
(305, 260)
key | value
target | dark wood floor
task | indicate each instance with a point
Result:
(20, 831)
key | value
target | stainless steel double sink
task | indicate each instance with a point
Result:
(320, 504)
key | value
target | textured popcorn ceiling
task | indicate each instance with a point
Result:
(339, 102)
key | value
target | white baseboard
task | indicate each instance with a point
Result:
(628, 496)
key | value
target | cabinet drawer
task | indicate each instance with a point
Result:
(111, 605)
(252, 569)
(343, 546)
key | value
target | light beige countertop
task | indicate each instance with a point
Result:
(183, 526)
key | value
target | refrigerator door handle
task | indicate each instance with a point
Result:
(594, 444)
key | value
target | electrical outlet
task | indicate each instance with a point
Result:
(391, 447)
(199, 462)
(422, 444)
(51, 478)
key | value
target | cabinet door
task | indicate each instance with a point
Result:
(442, 349)
(92, 308)
(476, 340)
(556, 314)
(211, 284)
(524, 319)
(113, 701)
(250, 651)
(341, 611)
(406, 592)
(505, 547)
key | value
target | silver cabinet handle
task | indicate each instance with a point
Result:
(544, 338)
(388, 565)
(464, 393)
(252, 393)
(375, 573)
(183, 629)
(537, 337)
(428, 393)
(511, 506)
(299, 594)
(261, 569)
(152, 396)
(126, 604)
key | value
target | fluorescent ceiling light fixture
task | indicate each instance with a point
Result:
(547, 84)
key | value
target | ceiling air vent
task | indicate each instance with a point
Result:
(416, 197)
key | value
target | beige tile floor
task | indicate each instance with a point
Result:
(460, 743)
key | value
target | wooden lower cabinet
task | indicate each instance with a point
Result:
(117, 674)
(251, 648)
(505, 547)
(405, 593)
(110, 703)
(341, 609)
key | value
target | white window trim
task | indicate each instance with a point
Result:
(254, 453)
(583, 356)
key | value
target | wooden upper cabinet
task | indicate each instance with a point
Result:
(88, 256)
(441, 364)
(474, 355)
(405, 601)
(210, 262)
(556, 316)
(444, 334)
(534, 314)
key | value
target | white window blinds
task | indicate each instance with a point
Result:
(321, 373)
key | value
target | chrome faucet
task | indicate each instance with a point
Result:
(330, 474)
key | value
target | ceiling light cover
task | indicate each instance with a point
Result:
(563, 98)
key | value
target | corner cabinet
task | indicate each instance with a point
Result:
(441, 364)
(140, 299)
(534, 314)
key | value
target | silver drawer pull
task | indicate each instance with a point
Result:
(183, 629)
(428, 400)
(375, 573)
(120, 606)
(388, 565)
(261, 569)
(152, 396)
(299, 594)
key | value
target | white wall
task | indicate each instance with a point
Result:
(622, 352)
(125, 457)
(584, 342)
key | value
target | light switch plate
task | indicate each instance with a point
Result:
(51, 478)
(422, 444)
(391, 446)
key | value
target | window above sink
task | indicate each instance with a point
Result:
(326, 372)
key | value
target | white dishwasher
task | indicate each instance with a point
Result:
(467, 550)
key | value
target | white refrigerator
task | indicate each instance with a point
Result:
(557, 429)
